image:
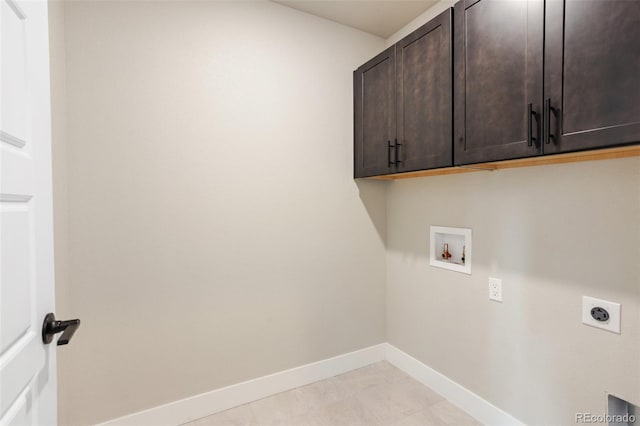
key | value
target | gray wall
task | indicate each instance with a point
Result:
(552, 234)
(208, 230)
(215, 233)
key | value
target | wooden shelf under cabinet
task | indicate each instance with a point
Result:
(573, 157)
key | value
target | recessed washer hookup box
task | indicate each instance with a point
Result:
(450, 248)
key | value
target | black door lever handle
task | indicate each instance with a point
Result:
(51, 326)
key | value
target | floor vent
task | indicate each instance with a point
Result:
(622, 413)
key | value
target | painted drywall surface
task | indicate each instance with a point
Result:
(60, 190)
(215, 231)
(552, 234)
(425, 17)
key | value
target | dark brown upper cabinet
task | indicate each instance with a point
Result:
(589, 54)
(374, 90)
(592, 74)
(498, 73)
(402, 104)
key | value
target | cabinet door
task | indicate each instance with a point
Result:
(592, 74)
(497, 74)
(375, 115)
(423, 74)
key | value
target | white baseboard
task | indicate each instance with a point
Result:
(458, 395)
(195, 407)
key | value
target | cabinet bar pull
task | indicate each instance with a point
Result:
(530, 114)
(398, 145)
(389, 148)
(547, 121)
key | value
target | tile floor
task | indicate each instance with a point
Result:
(377, 395)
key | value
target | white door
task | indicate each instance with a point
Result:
(27, 366)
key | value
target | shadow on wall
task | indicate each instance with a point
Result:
(374, 198)
(553, 234)
(569, 223)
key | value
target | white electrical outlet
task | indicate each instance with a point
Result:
(495, 289)
(601, 313)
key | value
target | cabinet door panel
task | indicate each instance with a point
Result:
(374, 115)
(498, 73)
(593, 73)
(423, 73)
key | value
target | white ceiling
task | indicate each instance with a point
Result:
(382, 18)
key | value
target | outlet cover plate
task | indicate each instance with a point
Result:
(495, 289)
(612, 324)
